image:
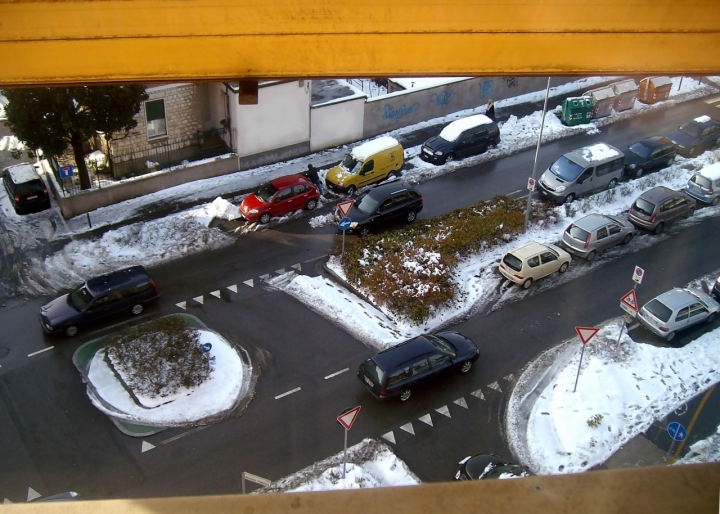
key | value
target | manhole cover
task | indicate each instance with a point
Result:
(4, 352)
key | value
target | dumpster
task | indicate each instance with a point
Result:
(577, 110)
(626, 92)
(654, 89)
(603, 98)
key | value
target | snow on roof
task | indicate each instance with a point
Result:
(712, 172)
(598, 152)
(22, 173)
(452, 131)
(661, 81)
(703, 119)
(365, 150)
(625, 86)
(601, 94)
(423, 82)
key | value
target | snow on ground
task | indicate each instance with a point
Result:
(369, 464)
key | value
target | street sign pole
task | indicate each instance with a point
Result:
(346, 420)
(678, 433)
(585, 334)
(579, 365)
(344, 224)
(345, 453)
(537, 151)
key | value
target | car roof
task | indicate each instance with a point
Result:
(111, 280)
(289, 180)
(704, 121)
(390, 188)
(658, 194)
(712, 172)
(656, 142)
(366, 150)
(592, 222)
(594, 154)
(528, 249)
(22, 173)
(676, 298)
(457, 127)
(400, 354)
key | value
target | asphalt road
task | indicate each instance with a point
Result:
(53, 440)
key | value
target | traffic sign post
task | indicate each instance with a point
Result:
(343, 225)
(255, 479)
(346, 419)
(585, 334)
(678, 433)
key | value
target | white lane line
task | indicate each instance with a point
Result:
(631, 327)
(289, 392)
(518, 191)
(40, 351)
(315, 258)
(179, 436)
(110, 327)
(337, 373)
(713, 100)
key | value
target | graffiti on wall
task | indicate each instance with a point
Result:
(390, 113)
(486, 89)
(511, 81)
(442, 99)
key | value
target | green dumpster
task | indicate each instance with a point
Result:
(577, 110)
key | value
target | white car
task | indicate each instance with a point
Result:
(676, 310)
(531, 261)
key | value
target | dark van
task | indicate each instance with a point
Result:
(461, 138)
(397, 370)
(25, 189)
(127, 290)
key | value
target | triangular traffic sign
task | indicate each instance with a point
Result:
(630, 300)
(344, 207)
(586, 333)
(346, 419)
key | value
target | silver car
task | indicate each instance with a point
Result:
(676, 310)
(591, 235)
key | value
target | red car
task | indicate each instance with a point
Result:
(278, 197)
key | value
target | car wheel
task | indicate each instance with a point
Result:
(311, 204)
(527, 283)
(449, 158)
(715, 201)
(710, 318)
(569, 198)
(71, 331)
(638, 173)
(493, 145)
(265, 218)
(591, 256)
(670, 336)
(137, 308)
(410, 217)
(659, 229)
(466, 366)
(364, 232)
(690, 213)
(612, 183)
(351, 190)
(563, 268)
(627, 239)
(405, 395)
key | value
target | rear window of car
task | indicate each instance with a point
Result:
(701, 181)
(34, 186)
(373, 371)
(512, 262)
(578, 233)
(644, 206)
(659, 310)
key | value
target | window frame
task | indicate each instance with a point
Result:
(148, 121)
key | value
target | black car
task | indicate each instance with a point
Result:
(397, 370)
(25, 189)
(716, 289)
(483, 467)
(461, 138)
(124, 290)
(696, 136)
(387, 202)
(647, 155)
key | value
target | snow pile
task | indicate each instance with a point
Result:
(10, 143)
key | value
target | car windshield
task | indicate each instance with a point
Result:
(366, 203)
(350, 164)
(640, 150)
(691, 129)
(701, 181)
(266, 192)
(512, 262)
(566, 169)
(373, 371)
(578, 233)
(658, 309)
(644, 206)
(80, 298)
(441, 344)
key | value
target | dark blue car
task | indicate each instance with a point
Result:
(696, 136)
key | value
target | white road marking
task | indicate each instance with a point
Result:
(289, 392)
(280, 271)
(40, 351)
(110, 327)
(337, 373)
(461, 402)
(250, 282)
(315, 258)
(233, 288)
(712, 100)
(407, 427)
(182, 305)
(389, 437)
(478, 394)
(297, 266)
(634, 326)
(146, 447)
(6, 501)
(32, 494)
(509, 377)
(495, 386)
(426, 419)
(216, 294)
(180, 436)
(444, 411)
(518, 191)
(265, 276)
(199, 299)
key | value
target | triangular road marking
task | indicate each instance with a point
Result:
(199, 299)
(478, 394)
(408, 428)
(280, 271)
(426, 419)
(146, 446)
(265, 276)
(509, 377)
(233, 287)
(6, 502)
(389, 436)
(444, 411)
(32, 494)
(495, 386)
(249, 283)
(216, 294)
(297, 266)
(182, 305)
(461, 402)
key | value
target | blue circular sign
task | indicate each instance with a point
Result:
(206, 347)
(344, 223)
(677, 431)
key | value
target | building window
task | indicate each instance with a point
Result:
(155, 115)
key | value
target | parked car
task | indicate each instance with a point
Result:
(658, 207)
(532, 261)
(126, 290)
(593, 234)
(676, 310)
(582, 172)
(705, 185)
(483, 467)
(716, 289)
(461, 138)
(280, 196)
(648, 155)
(696, 136)
(25, 189)
(381, 204)
(395, 372)
(366, 164)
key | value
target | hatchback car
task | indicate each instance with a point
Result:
(381, 204)
(25, 189)
(660, 206)
(461, 138)
(280, 196)
(126, 290)
(647, 155)
(590, 236)
(676, 310)
(532, 261)
(716, 289)
(705, 185)
(694, 137)
(395, 372)
(484, 467)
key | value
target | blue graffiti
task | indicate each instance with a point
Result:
(403, 110)
(486, 89)
(442, 99)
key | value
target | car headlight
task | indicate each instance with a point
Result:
(341, 183)
(438, 152)
(560, 189)
(253, 211)
(632, 166)
(353, 224)
(49, 327)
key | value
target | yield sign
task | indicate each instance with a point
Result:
(347, 418)
(344, 207)
(586, 333)
(630, 300)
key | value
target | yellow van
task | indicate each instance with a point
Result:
(368, 163)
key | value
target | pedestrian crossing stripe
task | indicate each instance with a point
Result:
(407, 427)
(461, 402)
(280, 271)
(216, 294)
(389, 437)
(250, 282)
(426, 419)
(182, 305)
(478, 394)
(495, 386)
(199, 299)
(297, 266)
(232, 288)
(444, 411)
